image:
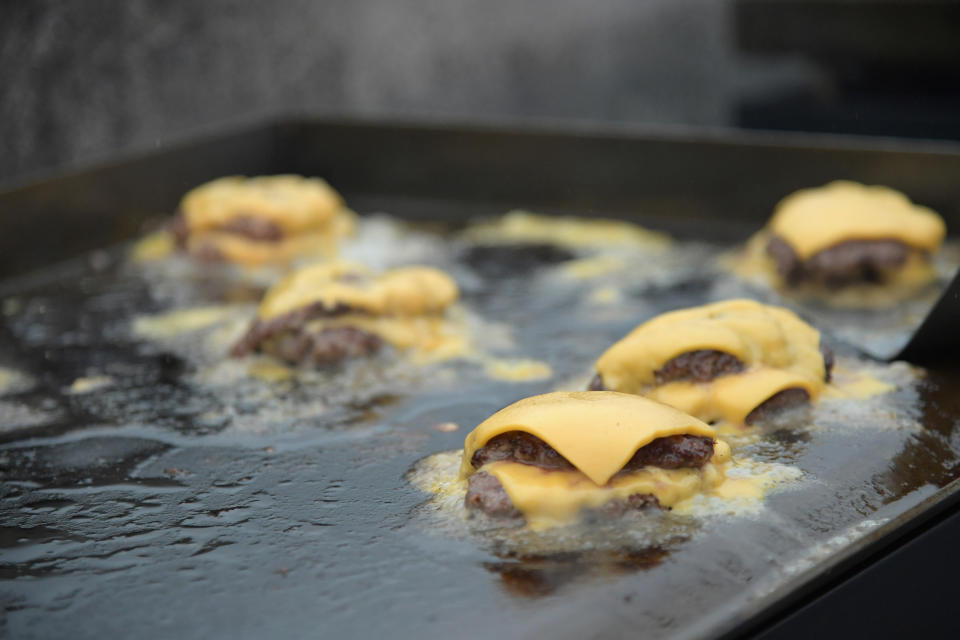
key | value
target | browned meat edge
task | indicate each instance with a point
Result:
(845, 263)
(671, 452)
(779, 401)
(702, 365)
(293, 321)
(485, 493)
(324, 347)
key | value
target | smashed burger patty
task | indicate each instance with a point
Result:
(737, 360)
(261, 220)
(846, 233)
(325, 313)
(552, 457)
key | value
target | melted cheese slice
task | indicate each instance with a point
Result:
(238, 249)
(756, 334)
(596, 431)
(549, 497)
(812, 220)
(308, 211)
(406, 291)
(732, 397)
(291, 202)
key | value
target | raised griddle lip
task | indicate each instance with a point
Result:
(565, 127)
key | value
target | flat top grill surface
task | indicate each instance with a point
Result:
(176, 501)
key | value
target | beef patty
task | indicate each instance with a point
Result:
(324, 347)
(292, 322)
(670, 452)
(702, 365)
(845, 263)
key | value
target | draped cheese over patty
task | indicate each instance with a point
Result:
(406, 291)
(778, 351)
(757, 334)
(596, 431)
(265, 219)
(811, 220)
(292, 203)
(548, 497)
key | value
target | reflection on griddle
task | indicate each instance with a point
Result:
(930, 456)
(534, 576)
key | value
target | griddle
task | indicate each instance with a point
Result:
(134, 510)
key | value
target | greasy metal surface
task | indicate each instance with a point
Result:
(140, 509)
(150, 507)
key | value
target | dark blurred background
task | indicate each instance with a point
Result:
(82, 81)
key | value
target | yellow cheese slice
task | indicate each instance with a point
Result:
(549, 497)
(755, 333)
(732, 397)
(291, 202)
(403, 291)
(596, 431)
(812, 220)
(238, 249)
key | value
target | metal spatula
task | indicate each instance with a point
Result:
(937, 339)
